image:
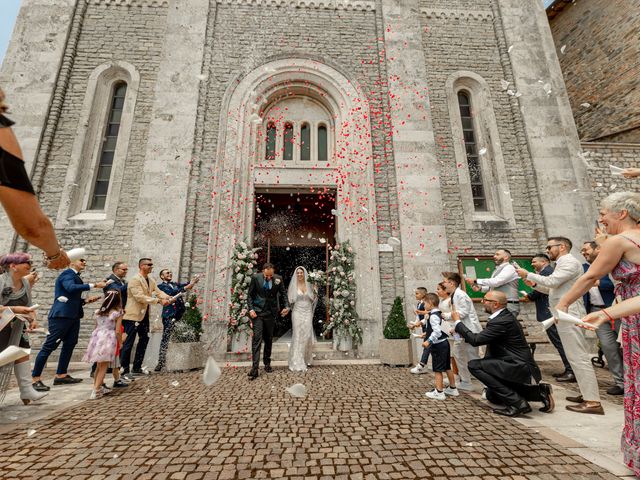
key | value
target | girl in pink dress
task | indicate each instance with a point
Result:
(620, 255)
(105, 339)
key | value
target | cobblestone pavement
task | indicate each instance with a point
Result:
(356, 422)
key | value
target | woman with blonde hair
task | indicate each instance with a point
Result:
(19, 199)
(620, 255)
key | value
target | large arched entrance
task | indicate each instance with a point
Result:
(294, 126)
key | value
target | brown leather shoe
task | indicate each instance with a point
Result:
(594, 408)
(577, 399)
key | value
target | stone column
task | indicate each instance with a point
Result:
(551, 133)
(28, 77)
(160, 216)
(414, 149)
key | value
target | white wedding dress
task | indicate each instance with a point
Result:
(303, 337)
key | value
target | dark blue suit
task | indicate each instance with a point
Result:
(64, 321)
(605, 287)
(118, 284)
(170, 314)
(542, 313)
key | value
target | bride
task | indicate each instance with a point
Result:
(302, 297)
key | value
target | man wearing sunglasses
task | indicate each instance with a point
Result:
(142, 291)
(64, 323)
(567, 270)
(508, 369)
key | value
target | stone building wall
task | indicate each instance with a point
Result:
(105, 31)
(598, 156)
(598, 48)
(466, 35)
(348, 39)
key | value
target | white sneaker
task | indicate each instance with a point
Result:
(484, 394)
(95, 395)
(418, 369)
(466, 386)
(452, 392)
(436, 395)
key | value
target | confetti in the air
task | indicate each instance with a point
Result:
(297, 390)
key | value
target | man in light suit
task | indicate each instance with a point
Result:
(508, 368)
(142, 291)
(542, 265)
(598, 297)
(64, 324)
(568, 269)
(267, 298)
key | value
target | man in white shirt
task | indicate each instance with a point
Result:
(463, 352)
(503, 279)
(567, 270)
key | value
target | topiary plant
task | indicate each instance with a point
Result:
(396, 326)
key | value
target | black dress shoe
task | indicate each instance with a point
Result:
(561, 374)
(513, 410)
(253, 374)
(546, 396)
(567, 378)
(615, 390)
(68, 380)
(40, 387)
(268, 369)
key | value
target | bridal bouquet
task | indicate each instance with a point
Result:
(343, 315)
(318, 279)
(243, 262)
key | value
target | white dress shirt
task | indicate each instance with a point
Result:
(503, 279)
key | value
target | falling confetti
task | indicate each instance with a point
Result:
(297, 390)
(62, 299)
(482, 151)
(175, 383)
(30, 432)
(585, 105)
(504, 84)
(211, 372)
(563, 49)
(393, 241)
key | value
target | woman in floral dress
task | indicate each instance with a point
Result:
(620, 255)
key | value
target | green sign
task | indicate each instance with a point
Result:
(483, 267)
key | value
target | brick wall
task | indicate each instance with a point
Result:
(601, 66)
(108, 32)
(471, 42)
(348, 39)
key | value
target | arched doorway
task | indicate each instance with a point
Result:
(250, 162)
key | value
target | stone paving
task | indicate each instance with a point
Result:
(356, 422)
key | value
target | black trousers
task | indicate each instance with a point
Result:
(131, 328)
(263, 326)
(499, 390)
(554, 337)
(168, 324)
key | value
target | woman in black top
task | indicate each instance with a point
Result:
(19, 199)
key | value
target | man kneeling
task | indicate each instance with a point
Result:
(508, 369)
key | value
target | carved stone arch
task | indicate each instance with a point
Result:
(237, 172)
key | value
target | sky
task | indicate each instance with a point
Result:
(8, 13)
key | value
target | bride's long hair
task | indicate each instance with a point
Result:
(292, 293)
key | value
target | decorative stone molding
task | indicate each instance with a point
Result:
(458, 14)
(361, 5)
(132, 3)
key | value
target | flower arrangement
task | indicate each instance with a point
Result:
(343, 318)
(243, 262)
(189, 327)
(318, 279)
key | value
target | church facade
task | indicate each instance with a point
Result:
(167, 129)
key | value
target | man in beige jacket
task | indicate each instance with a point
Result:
(141, 292)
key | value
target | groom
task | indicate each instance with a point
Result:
(267, 299)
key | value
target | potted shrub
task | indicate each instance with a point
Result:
(185, 351)
(395, 347)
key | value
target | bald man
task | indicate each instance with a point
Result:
(508, 369)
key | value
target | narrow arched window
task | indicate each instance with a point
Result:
(305, 142)
(107, 151)
(270, 139)
(471, 147)
(322, 142)
(288, 142)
